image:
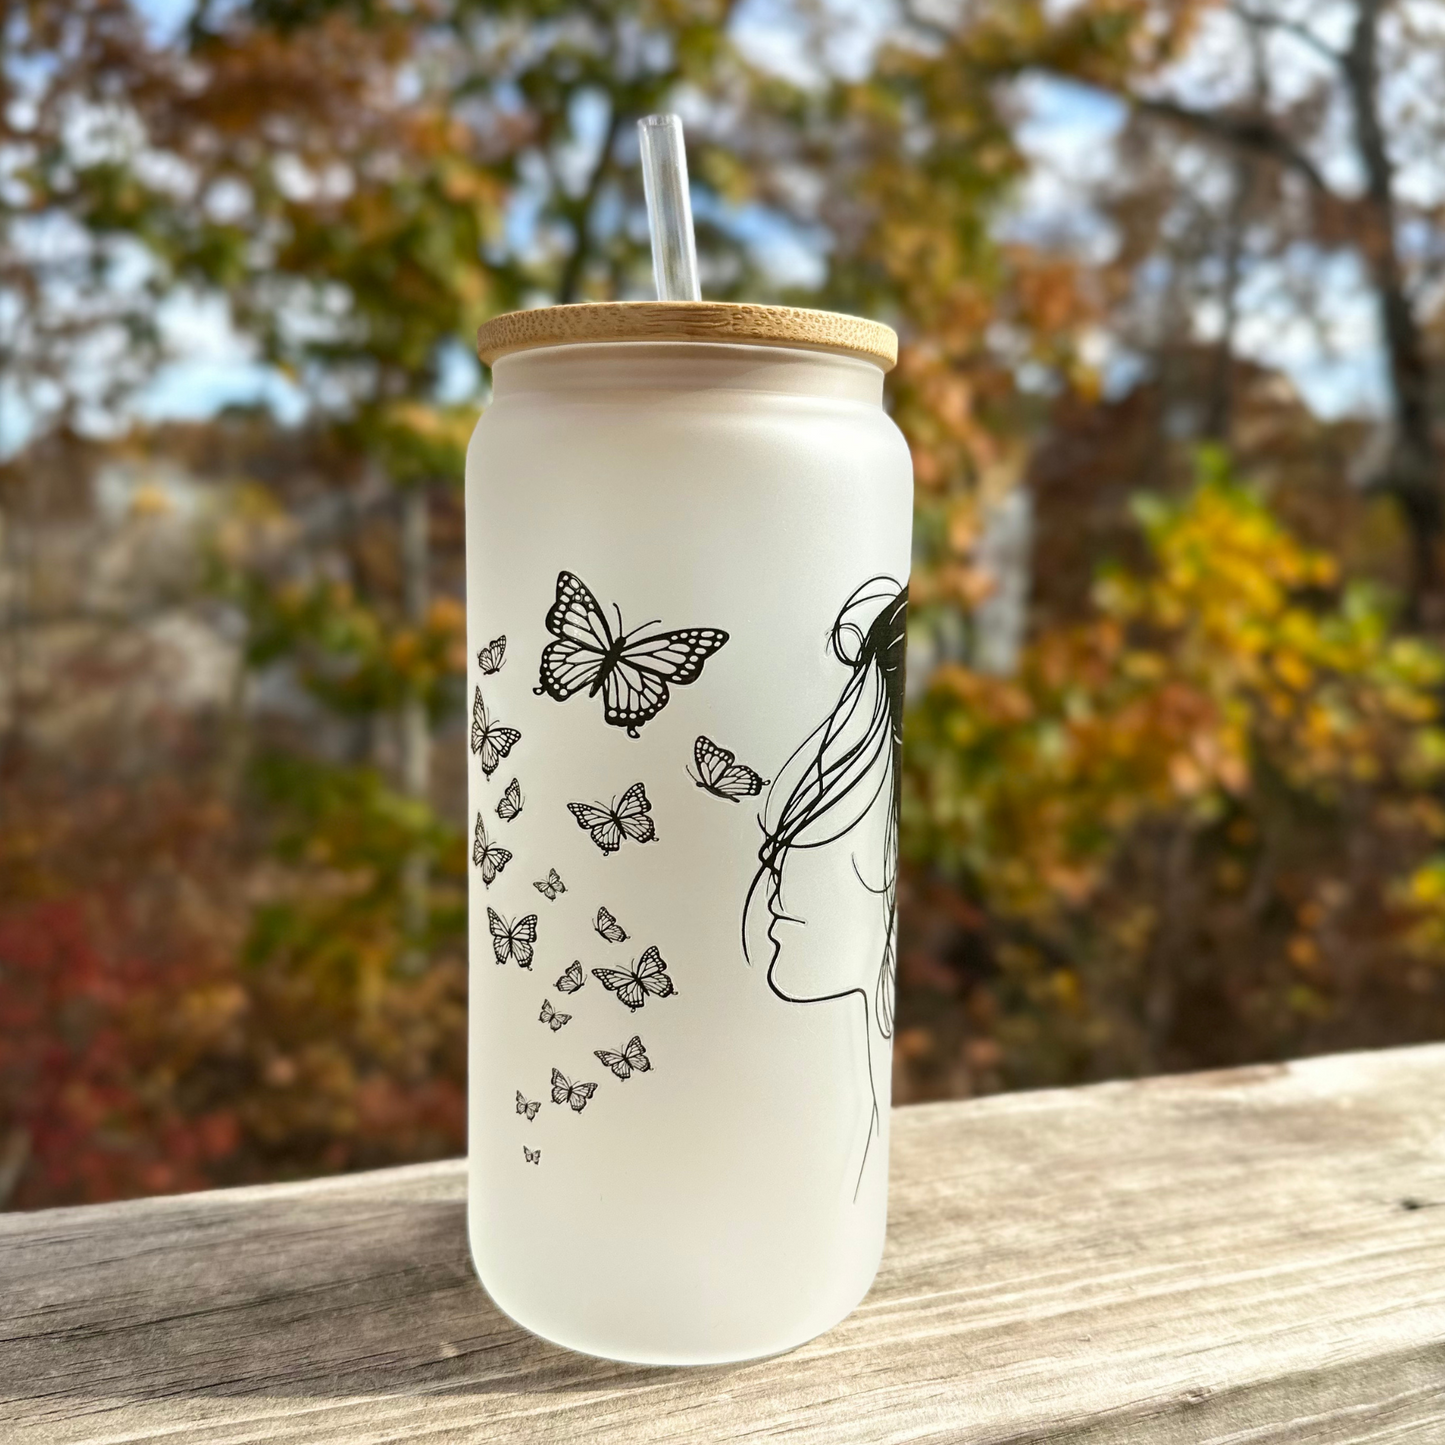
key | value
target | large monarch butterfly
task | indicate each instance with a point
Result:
(632, 673)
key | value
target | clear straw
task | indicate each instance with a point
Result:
(669, 208)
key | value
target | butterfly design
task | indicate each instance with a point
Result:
(487, 855)
(571, 979)
(532, 1156)
(632, 673)
(719, 772)
(632, 1059)
(625, 819)
(549, 1015)
(490, 741)
(490, 658)
(527, 1106)
(648, 975)
(564, 1091)
(510, 805)
(551, 886)
(609, 927)
(513, 940)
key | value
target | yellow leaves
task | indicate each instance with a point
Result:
(1426, 886)
(1067, 994)
(463, 183)
(1423, 893)
(1224, 659)
(150, 499)
(417, 656)
(418, 442)
(446, 615)
(1224, 609)
(1228, 573)
(1293, 670)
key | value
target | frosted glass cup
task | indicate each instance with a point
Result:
(688, 530)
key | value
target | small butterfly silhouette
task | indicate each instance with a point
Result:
(720, 774)
(528, 1107)
(551, 886)
(513, 941)
(564, 1091)
(490, 658)
(648, 975)
(571, 980)
(487, 856)
(632, 673)
(510, 805)
(626, 819)
(632, 1058)
(532, 1156)
(549, 1015)
(490, 741)
(609, 927)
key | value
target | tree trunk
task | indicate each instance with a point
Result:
(573, 273)
(1412, 471)
(415, 733)
(1219, 413)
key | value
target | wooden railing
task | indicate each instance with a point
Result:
(1250, 1256)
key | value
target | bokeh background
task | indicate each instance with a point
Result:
(1170, 278)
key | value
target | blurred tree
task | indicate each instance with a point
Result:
(77, 83)
(387, 202)
(1325, 119)
(1184, 834)
(362, 188)
(1198, 825)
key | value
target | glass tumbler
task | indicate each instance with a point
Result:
(688, 537)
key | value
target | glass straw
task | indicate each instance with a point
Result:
(669, 208)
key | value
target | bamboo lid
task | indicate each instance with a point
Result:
(718, 321)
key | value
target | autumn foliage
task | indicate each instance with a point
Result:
(1157, 828)
(1194, 821)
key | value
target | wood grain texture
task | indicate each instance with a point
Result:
(726, 321)
(1239, 1257)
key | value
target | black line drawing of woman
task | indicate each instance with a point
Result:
(839, 778)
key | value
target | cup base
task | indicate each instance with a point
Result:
(669, 1355)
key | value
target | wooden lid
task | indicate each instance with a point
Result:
(718, 321)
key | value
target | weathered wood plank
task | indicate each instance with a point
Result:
(1238, 1257)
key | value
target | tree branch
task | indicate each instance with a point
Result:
(582, 224)
(1245, 132)
(1296, 29)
